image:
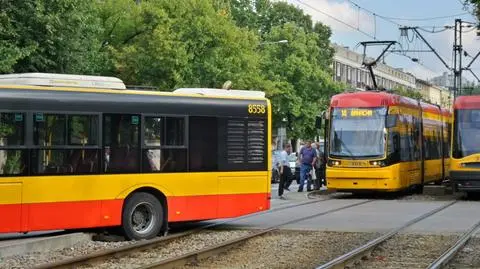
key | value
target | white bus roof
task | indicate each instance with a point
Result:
(221, 92)
(62, 80)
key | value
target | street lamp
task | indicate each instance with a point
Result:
(274, 42)
(282, 132)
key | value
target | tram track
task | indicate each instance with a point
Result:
(361, 257)
(446, 258)
(99, 256)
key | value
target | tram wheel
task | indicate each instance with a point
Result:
(142, 216)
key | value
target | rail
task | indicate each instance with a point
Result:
(350, 257)
(102, 255)
(213, 250)
(448, 255)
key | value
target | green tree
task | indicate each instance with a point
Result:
(476, 4)
(415, 94)
(304, 86)
(49, 36)
(174, 44)
(300, 70)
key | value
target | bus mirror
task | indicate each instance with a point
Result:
(391, 121)
(318, 122)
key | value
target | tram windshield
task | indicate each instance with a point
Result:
(358, 132)
(467, 133)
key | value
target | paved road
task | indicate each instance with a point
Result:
(378, 216)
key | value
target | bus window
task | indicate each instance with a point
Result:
(62, 151)
(203, 156)
(121, 143)
(175, 131)
(164, 148)
(83, 130)
(12, 134)
(49, 130)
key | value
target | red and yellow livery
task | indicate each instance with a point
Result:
(89, 157)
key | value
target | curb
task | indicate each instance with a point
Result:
(43, 244)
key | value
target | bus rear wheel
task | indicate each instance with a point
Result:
(142, 216)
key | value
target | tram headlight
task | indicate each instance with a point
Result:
(333, 163)
(378, 163)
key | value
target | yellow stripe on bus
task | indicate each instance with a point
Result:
(107, 187)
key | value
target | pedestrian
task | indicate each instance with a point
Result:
(285, 171)
(320, 168)
(308, 157)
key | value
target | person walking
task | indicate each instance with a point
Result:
(320, 168)
(285, 172)
(308, 157)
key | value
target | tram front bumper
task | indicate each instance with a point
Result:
(466, 180)
(363, 179)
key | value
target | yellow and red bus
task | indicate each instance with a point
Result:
(465, 162)
(82, 152)
(380, 141)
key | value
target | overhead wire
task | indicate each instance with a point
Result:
(337, 20)
(389, 19)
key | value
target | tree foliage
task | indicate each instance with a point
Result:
(476, 4)
(49, 36)
(171, 44)
(415, 94)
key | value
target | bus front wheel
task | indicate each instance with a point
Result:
(142, 216)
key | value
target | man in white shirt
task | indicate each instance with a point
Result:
(284, 167)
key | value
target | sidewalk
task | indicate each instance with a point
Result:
(292, 195)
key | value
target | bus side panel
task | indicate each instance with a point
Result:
(10, 206)
(64, 215)
(245, 202)
(195, 207)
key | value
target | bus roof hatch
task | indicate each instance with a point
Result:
(62, 80)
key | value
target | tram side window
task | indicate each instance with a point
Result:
(164, 148)
(65, 144)
(416, 139)
(121, 135)
(12, 138)
(203, 144)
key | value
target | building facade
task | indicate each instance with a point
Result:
(435, 94)
(446, 80)
(347, 68)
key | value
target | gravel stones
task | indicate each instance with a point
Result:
(287, 249)
(171, 249)
(407, 251)
(37, 258)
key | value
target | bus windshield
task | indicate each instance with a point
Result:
(358, 132)
(467, 133)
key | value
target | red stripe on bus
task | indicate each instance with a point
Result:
(90, 214)
(184, 208)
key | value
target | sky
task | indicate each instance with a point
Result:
(359, 15)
